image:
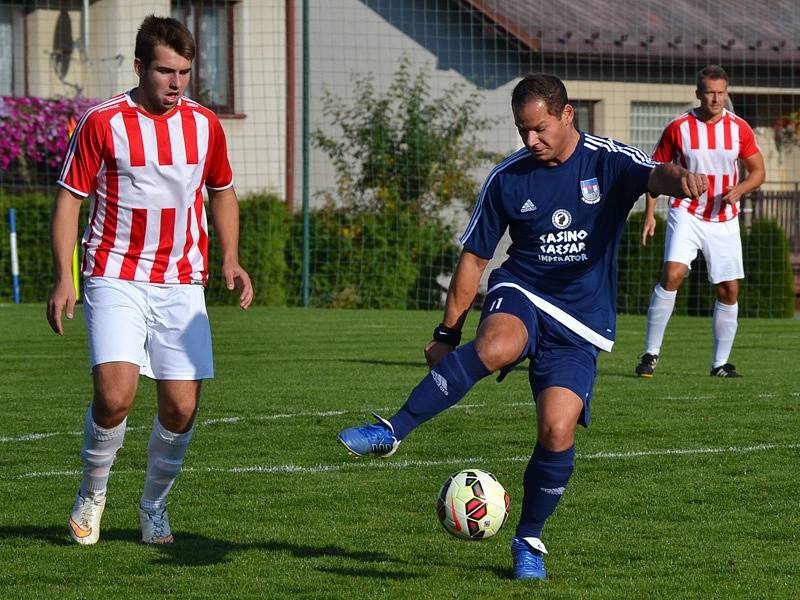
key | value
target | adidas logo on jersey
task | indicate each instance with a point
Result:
(529, 206)
(441, 382)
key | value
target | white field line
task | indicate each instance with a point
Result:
(405, 464)
(221, 420)
(40, 436)
(299, 415)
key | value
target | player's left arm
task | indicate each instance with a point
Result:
(755, 177)
(225, 213)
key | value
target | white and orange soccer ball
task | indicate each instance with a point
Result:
(472, 505)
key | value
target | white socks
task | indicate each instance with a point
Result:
(165, 453)
(99, 450)
(723, 326)
(662, 303)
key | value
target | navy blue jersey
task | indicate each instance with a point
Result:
(565, 223)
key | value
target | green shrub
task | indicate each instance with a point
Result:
(264, 233)
(33, 244)
(401, 157)
(640, 269)
(262, 246)
(768, 288)
(639, 266)
(365, 260)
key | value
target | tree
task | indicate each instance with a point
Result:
(403, 149)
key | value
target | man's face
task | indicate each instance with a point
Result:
(713, 95)
(163, 81)
(545, 136)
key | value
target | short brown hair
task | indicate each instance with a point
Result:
(542, 86)
(164, 31)
(710, 72)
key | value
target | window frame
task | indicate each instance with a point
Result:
(182, 7)
(18, 51)
(671, 110)
(589, 106)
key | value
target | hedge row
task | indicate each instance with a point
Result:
(365, 261)
(767, 290)
(392, 260)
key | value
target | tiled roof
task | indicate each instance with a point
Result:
(726, 31)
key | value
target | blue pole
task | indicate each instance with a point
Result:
(14, 259)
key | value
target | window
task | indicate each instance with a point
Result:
(12, 51)
(584, 114)
(211, 24)
(648, 120)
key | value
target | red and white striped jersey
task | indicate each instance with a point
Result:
(710, 148)
(145, 175)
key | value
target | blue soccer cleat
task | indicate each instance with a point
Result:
(370, 439)
(528, 554)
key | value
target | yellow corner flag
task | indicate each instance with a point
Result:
(76, 273)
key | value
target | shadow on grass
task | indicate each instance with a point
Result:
(408, 363)
(373, 573)
(507, 574)
(192, 550)
(386, 363)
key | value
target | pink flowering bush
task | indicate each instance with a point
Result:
(34, 135)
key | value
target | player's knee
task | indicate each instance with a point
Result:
(557, 436)
(500, 342)
(497, 353)
(110, 410)
(672, 280)
(728, 295)
(177, 417)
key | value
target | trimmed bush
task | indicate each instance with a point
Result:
(639, 266)
(363, 260)
(262, 247)
(33, 244)
(768, 288)
(264, 232)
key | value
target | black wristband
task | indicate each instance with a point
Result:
(447, 335)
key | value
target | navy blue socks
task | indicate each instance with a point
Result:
(545, 481)
(445, 385)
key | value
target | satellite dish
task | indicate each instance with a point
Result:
(62, 44)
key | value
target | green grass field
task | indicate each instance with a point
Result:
(685, 486)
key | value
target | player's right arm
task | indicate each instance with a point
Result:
(460, 295)
(649, 225)
(63, 233)
(673, 180)
(486, 226)
(76, 181)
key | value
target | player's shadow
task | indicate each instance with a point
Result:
(193, 550)
(408, 363)
(384, 363)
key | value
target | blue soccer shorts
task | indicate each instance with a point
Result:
(558, 356)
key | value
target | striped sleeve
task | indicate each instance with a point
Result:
(668, 145)
(84, 156)
(220, 174)
(747, 140)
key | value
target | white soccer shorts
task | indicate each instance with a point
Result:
(720, 243)
(162, 328)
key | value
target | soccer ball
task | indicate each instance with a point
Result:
(472, 505)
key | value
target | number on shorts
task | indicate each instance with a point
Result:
(496, 304)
